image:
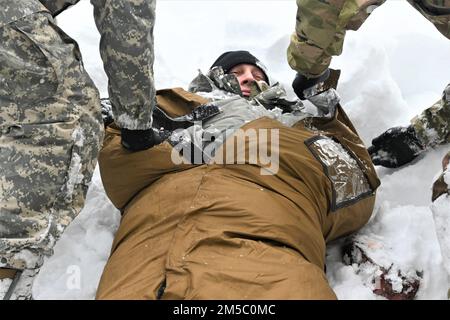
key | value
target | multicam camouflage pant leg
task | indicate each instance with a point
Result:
(50, 134)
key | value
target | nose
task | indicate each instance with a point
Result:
(246, 78)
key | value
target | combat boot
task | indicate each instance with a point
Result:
(365, 254)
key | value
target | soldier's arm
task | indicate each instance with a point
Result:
(432, 126)
(320, 31)
(126, 47)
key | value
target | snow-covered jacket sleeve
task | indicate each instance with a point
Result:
(320, 31)
(433, 124)
(126, 48)
(321, 27)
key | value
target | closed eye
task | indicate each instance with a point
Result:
(258, 77)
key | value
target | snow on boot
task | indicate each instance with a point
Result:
(385, 279)
(8, 282)
(17, 284)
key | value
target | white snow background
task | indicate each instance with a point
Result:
(393, 67)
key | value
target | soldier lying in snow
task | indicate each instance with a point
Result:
(242, 195)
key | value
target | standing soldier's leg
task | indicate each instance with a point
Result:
(441, 213)
(436, 122)
(50, 134)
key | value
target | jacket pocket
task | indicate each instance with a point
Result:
(344, 170)
(27, 74)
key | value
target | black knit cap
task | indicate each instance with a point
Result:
(230, 59)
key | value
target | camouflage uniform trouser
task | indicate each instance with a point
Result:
(50, 133)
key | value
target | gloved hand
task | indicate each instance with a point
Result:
(395, 147)
(301, 83)
(137, 140)
(106, 109)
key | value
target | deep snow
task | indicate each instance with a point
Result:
(393, 67)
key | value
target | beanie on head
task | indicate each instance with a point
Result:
(230, 59)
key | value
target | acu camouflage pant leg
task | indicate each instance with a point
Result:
(50, 134)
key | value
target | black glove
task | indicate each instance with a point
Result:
(137, 140)
(395, 147)
(107, 114)
(301, 83)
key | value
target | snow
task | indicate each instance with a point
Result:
(392, 68)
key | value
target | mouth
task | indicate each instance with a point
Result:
(245, 92)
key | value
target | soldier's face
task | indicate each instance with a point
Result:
(246, 75)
